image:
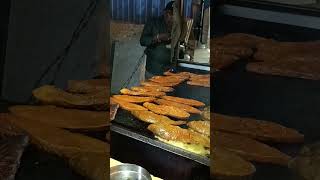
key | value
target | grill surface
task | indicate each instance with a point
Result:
(127, 125)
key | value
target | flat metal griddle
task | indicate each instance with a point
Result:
(129, 126)
(291, 102)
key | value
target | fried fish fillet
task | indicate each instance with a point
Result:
(63, 118)
(257, 129)
(200, 79)
(167, 110)
(199, 76)
(150, 117)
(186, 101)
(175, 133)
(56, 140)
(179, 77)
(82, 152)
(225, 164)
(129, 106)
(137, 93)
(153, 88)
(174, 81)
(164, 84)
(168, 79)
(205, 114)
(202, 127)
(185, 107)
(51, 95)
(182, 74)
(88, 86)
(134, 99)
(249, 149)
(144, 90)
(199, 83)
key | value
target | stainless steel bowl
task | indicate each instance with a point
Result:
(129, 172)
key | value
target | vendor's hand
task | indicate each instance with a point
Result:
(172, 69)
(162, 37)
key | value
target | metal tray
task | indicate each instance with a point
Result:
(129, 171)
(127, 125)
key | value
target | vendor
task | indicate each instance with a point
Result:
(155, 36)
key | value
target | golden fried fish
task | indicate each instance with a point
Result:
(137, 93)
(150, 117)
(167, 110)
(186, 101)
(185, 107)
(129, 106)
(199, 83)
(134, 99)
(51, 95)
(202, 127)
(249, 149)
(164, 84)
(256, 129)
(175, 133)
(153, 88)
(84, 154)
(225, 164)
(63, 118)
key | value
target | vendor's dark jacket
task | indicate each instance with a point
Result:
(158, 56)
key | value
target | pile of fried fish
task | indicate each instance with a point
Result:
(56, 124)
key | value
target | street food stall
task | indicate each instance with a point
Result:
(170, 102)
(266, 53)
(54, 91)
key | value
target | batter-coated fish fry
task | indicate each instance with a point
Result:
(167, 110)
(227, 164)
(181, 74)
(153, 88)
(249, 149)
(199, 83)
(51, 95)
(165, 79)
(186, 101)
(185, 107)
(129, 106)
(63, 118)
(150, 117)
(163, 84)
(202, 127)
(199, 76)
(257, 129)
(175, 133)
(137, 93)
(134, 99)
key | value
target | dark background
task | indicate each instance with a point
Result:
(4, 20)
(41, 29)
(291, 102)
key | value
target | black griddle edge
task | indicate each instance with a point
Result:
(195, 166)
(156, 143)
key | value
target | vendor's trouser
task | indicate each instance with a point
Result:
(148, 75)
(206, 26)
